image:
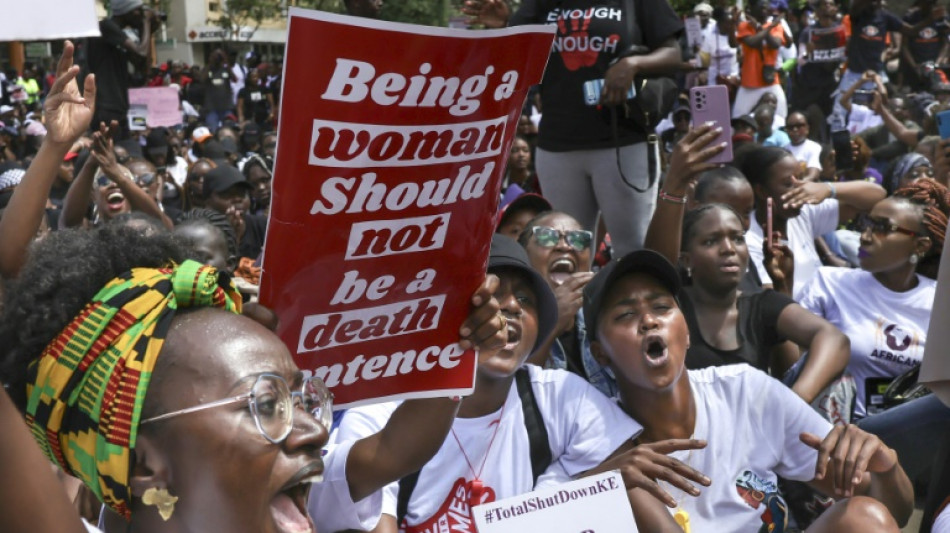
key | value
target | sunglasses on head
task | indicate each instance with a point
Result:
(880, 226)
(577, 239)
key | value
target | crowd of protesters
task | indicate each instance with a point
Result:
(741, 341)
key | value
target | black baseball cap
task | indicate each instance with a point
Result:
(506, 252)
(646, 261)
(528, 200)
(222, 178)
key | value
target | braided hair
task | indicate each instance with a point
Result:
(202, 216)
(933, 201)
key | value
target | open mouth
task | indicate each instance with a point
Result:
(655, 350)
(514, 335)
(561, 270)
(289, 506)
(115, 200)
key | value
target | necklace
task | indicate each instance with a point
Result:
(680, 516)
(475, 496)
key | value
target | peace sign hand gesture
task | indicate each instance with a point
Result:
(69, 113)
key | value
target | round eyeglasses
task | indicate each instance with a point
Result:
(272, 405)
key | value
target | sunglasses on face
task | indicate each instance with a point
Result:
(880, 226)
(794, 126)
(272, 404)
(103, 181)
(145, 179)
(577, 239)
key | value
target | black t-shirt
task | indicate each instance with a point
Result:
(829, 51)
(756, 327)
(255, 103)
(925, 45)
(255, 226)
(590, 34)
(218, 90)
(869, 30)
(108, 59)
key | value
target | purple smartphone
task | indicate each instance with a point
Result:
(711, 104)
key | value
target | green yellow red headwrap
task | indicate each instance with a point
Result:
(86, 392)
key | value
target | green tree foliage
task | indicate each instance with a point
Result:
(238, 14)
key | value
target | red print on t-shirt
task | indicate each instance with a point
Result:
(455, 513)
(575, 44)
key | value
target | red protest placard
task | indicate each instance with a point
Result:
(392, 144)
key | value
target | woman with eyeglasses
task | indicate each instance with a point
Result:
(884, 307)
(111, 188)
(560, 249)
(801, 211)
(138, 375)
(727, 326)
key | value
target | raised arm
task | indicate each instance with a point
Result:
(138, 199)
(78, 196)
(416, 430)
(853, 196)
(67, 116)
(910, 137)
(686, 163)
(828, 349)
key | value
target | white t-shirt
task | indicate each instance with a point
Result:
(861, 118)
(887, 329)
(584, 427)
(812, 222)
(330, 505)
(722, 57)
(751, 423)
(808, 152)
(942, 523)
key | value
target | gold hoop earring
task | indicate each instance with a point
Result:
(161, 499)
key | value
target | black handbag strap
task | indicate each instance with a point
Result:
(540, 449)
(534, 423)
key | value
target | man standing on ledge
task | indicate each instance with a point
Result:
(108, 57)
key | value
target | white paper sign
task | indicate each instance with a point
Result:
(694, 31)
(596, 504)
(935, 370)
(40, 20)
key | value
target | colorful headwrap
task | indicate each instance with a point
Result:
(86, 392)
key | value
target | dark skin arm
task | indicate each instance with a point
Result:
(763, 36)
(828, 349)
(665, 59)
(137, 197)
(417, 428)
(687, 161)
(68, 115)
(853, 196)
(897, 128)
(78, 196)
(31, 498)
(852, 462)
(570, 297)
